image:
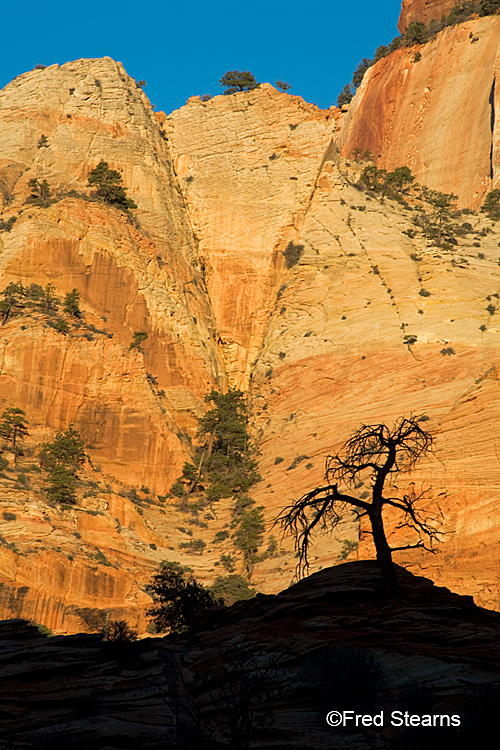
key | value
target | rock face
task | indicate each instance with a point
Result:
(420, 113)
(247, 165)
(423, 10)
(253, 260)
(130, 278)
(433, 653)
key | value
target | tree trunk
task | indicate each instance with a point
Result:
(384, 557)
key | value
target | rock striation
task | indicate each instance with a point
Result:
(318, 338)
(292, 657)
(419, 113)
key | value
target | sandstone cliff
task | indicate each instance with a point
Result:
(437, 115)
(424, 11)
(222, 188)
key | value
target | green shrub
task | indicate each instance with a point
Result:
(238, 80)
(292, 254)
(101, 558)
(231, 589)
(416, 33)
(178, 598)
(138, 338)
(194, 546)
(41, 194)
(108, 187)
(43, 142)
(61, 326)
(8, 516)
(345, 96)
(61, 459)
(221, 536)
(227, 562)
(6, 226)
(249, 536)
(491, 205)
(72, 303)
(282, 85)
(489, 7)
(13, 426)
(296, 461)
(347, 548)
(44, 630)
(360, 71)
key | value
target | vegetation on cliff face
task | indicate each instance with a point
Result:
(13, 426)
(225, 466)
(108, 186)
(491, 205)
(61, 459)
(419, 33)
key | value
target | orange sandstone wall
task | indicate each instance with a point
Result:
(438, 115)
(423, 10)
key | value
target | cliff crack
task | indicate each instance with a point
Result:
(492, 123)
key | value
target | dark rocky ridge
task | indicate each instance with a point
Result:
(329, 642)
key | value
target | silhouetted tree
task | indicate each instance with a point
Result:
(119, 630)
(238, 80)
(378, 452)
(179, 599)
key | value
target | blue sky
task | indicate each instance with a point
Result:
(183, 48)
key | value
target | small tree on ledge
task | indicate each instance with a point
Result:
(13, 425)
(238, 80)
(108, 184)
(375, 452)
(283, 85)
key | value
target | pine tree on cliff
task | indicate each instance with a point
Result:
(108, 184)
(61, 459)
(72, 303)
(345, 96)
(13, 425)
(374, 452)
(489, 7)
(238, 80)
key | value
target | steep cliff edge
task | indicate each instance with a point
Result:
(132, 276)
(437, 115)
(423, 11)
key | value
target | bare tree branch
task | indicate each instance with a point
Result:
(383, 452)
